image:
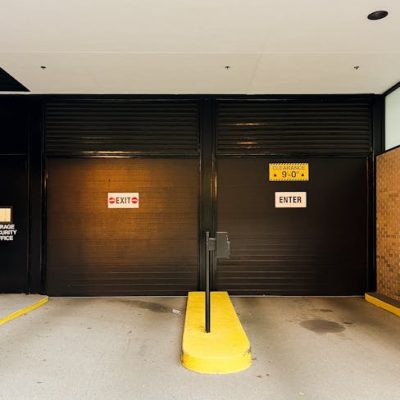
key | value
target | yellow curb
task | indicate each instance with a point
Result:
(226, 348)
(382, 304)
(23, 311)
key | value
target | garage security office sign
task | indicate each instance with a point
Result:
(7, 228)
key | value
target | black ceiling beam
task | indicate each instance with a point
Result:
(10, 84)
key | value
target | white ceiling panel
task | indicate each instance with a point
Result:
(181, 46)
(132, 73)
(325, 73)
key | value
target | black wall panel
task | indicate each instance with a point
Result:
(94, 250)
(318, 250)
(14, 125)
(14, 129)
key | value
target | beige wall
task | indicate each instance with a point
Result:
(388, 223)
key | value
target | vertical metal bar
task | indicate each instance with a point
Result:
(207, 206)
(207, 294)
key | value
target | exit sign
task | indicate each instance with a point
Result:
(123, 200)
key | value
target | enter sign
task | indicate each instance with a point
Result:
(290, 199)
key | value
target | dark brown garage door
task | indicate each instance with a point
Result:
(96, 250)
(321, 249)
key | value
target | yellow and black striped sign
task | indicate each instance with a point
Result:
(288, 172)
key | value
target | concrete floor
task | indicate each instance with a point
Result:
(129, 348)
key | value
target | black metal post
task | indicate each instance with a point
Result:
(207, 294)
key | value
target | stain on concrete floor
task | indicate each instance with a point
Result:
(146, 305)
(155, 307)
(322, 326)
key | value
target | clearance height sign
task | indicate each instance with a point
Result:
(123, 200)
(288, 172)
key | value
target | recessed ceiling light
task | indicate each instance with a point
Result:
(377, 15)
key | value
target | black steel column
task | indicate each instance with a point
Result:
(36, 137)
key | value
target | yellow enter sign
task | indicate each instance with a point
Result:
(288, 172)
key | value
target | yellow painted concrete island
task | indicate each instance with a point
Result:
(226, 348)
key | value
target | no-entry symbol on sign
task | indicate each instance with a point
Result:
(123, 200)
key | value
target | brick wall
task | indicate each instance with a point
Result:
(388, 223)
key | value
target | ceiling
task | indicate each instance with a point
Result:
(183, 46)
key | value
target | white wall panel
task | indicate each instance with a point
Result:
(392, 120)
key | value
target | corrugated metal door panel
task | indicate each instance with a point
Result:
(318, 250)
(93, 250)
(256, 127)
(122, 127)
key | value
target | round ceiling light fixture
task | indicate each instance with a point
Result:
(374, 16)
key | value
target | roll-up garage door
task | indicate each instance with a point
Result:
(317, 250)
(143, 149)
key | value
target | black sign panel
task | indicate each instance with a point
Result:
(13, 230)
